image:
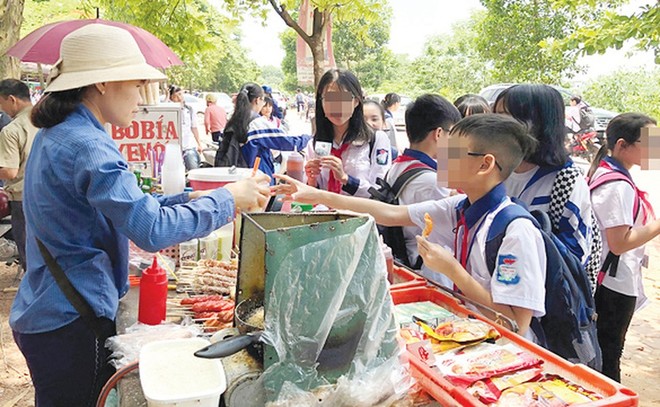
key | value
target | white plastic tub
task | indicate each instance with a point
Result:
(171, 375)
(216, 177)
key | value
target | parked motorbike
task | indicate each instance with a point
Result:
(584, 144)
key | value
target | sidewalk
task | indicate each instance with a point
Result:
(640, 368)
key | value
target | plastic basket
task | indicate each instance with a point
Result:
(448, 395)
(404, 278)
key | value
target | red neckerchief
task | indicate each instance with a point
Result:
(464, 244)
(647, 208)
(403, 158)
(334, 185)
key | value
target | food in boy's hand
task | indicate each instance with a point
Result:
(428, 225)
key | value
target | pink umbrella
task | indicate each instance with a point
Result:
(43, 44)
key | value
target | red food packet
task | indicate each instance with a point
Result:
(484, 361)
(489, 390)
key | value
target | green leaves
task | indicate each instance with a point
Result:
(612, 30)
(627, 91)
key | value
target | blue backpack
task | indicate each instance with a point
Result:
(569, 325)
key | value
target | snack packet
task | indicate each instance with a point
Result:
(483, 361)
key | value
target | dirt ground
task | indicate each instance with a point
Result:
(641, 359)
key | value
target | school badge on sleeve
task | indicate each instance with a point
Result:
(507, 271)
(382, 155)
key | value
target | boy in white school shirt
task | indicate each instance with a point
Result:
(481, 152)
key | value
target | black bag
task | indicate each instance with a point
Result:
(587, 118)
(229, 154)
(393, 235)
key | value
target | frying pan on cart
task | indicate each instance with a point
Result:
(250, 335)
(339, 349)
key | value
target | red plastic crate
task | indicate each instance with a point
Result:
(404, 278)
(447, 394)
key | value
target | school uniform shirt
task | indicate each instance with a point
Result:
(519, 278)
(422, 188)
(264, 136)
(361, 165)
(613, 205)
(534, 188)
(188, 122)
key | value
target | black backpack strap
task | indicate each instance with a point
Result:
(407, 176)
(75, 298)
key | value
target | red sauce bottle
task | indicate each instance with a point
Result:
(153, 295)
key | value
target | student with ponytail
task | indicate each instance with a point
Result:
(249, 135)
(626, 222)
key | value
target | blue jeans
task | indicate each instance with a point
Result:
(69, 365)
(191, 159)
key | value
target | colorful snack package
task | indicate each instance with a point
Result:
(489, 390)
(483, 361)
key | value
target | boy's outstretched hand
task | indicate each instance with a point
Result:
(295, 190)
(437, 258)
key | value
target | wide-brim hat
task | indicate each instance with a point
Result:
(99, 53)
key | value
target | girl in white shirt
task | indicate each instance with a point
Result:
(624, 230)
(358, 155)
(541, 107)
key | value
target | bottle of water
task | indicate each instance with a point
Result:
(173, 175)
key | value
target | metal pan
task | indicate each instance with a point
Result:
(249, 338)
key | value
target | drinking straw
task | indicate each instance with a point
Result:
(255, 167)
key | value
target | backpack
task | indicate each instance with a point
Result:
(229, 154)
(587, 118)
(569, 325)
(393, 235)
(611, 263)
(562, 189)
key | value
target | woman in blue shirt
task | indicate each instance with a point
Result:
(83, 204)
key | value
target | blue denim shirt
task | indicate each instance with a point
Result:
(84, 204)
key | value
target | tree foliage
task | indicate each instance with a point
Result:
(204, 39)
(511, 35)
(323, 12)
(613, 29)
(451, 65)
(627, 91)
(371, 60)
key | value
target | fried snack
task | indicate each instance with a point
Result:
(428, 225)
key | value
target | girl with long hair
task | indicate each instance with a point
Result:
(627, 222)
(541, 108)
(249, 135)
(358, 155)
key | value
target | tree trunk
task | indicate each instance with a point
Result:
(315, 40)
(11, 18)
(319, 58)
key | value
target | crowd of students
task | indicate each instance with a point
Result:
(474, 167)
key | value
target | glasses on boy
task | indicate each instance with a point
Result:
(473, 154)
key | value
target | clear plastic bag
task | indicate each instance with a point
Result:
(126, 347)
(350, 314)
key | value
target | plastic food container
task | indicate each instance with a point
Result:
(171, 375)
(216, 177)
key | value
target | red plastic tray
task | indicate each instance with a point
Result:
(404, 278)
(448, 395)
